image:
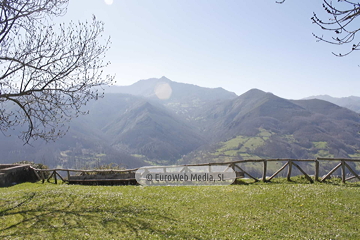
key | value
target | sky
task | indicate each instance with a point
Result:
(234, 44)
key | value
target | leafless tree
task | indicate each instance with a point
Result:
(342, 23)
(47, 71)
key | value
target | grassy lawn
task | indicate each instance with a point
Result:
(248, 211)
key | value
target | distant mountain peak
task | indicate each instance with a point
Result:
(352, 102)
(258, 91)
(165, 89)
(163, 78)
(255, 93)
(321, 97)
(255, 90)
(154, 80)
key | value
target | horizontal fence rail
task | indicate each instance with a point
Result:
(127, 176)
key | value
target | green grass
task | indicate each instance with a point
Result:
(355, 155)
(233, 143)
(320, 145)
(324, 153)
(322, 150)
(248, 211)
(249, 156)
(231, 153)
(242, 146)
(253, 143)
(264, 133)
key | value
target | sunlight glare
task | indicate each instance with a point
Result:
(163, 91)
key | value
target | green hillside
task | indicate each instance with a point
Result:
(152, 131)
(262, 125)
(352, 102)
(264, 145)
(132, 127)
(250, 211)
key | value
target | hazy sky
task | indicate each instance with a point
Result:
(234, 44)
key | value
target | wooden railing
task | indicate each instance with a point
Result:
(54, 173)
(289, 164)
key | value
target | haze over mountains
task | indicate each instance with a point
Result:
(158, 121)
(352, 102)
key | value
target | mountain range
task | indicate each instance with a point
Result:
(352, 102)
(158, 121)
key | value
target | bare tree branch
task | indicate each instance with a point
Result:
(342, 22)
(48, 72)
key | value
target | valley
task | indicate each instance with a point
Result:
(158, 121)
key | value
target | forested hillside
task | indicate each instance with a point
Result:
(158, 121)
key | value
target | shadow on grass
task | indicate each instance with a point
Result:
(27, 199)
(50, 219)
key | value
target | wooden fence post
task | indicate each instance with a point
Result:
(343, 173)
(317, 170)
(264, 171)
(48, 179)
(289, 171)
(54, 174)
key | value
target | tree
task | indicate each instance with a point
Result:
(341, 23)
(47, 71)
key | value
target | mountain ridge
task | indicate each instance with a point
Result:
(351, 102)
(146, 88)
(185, 123)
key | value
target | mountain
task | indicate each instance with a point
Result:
(261, 125)
(183, 99)
(121, 128)
(144, 127)
(158, 121)
(80, 148)
(352, 102)
(151, 88)
(153, 131)
(247, 113)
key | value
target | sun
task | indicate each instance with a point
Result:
(109, 2)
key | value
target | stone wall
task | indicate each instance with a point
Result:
(11, 174)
